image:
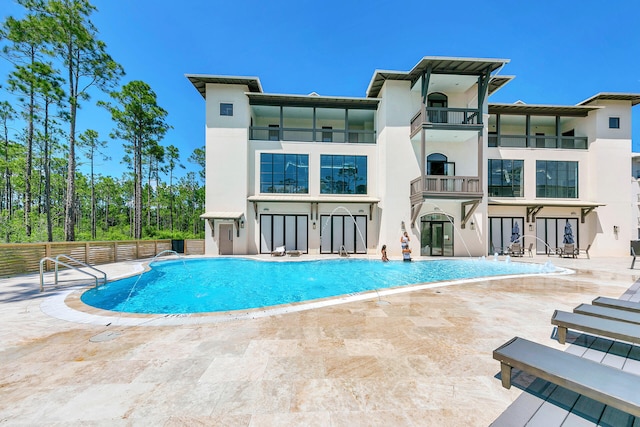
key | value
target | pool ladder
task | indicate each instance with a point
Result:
(56, 261)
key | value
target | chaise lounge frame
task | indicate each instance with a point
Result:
(602, 383)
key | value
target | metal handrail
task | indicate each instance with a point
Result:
(57, 262)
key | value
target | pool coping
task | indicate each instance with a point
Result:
(66, 304)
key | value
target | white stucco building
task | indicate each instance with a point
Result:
(424, 151)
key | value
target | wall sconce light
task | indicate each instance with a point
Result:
(530, 227)
(402, 227)
(473, 225)
(266, 209)
(573, 214)
(314, 225)
(361, 211)
(242, 223)
(615, 229)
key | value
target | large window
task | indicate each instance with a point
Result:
(506, 178)
(550, 233)
(501, 233)
(343, 174)
(289, 231)
(284, 173)
(556, 179)
(345, 232)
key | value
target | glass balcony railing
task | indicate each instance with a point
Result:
(312, 135)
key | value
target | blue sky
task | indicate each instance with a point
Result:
(561, 52)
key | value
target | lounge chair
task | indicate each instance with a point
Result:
(602, 383)
(516, 249)
(530, 250)
(294, 253)
(279, 251)
(616, 329)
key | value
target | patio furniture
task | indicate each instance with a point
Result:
(586, 251)
(516, 249)
(568, 250)
(617, 303)
(605, 384)
(294, 253)
(279, 251)
(594, 325)
(530, 250)
(608, 313)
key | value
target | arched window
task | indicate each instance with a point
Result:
(437, 103)
(437, 164)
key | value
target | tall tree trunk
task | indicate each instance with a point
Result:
(47, 175)
(29, 159)
(138, 190)
(171, 201)
(69, 219)
(149, 191)
(93, 200)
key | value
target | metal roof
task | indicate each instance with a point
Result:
(540, 110)
(613, 96)
(222, 215)
(439, 65)
(497, 82)
(312, 100)
(200, 81)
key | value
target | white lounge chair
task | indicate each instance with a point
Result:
(279, 251)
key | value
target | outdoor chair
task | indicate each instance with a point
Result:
(516, 249)
(568, 250)
(530, 250)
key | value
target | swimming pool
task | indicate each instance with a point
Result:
(226, 284)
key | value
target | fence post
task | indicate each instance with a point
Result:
(47, 253)
(86, 252)
(115, 251)
(137, 249)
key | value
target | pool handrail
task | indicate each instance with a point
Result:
(56, 261)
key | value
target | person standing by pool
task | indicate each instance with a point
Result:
(384, 253)
(406, 252)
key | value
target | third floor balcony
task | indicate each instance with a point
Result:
(445, 118)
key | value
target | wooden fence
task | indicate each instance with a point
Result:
(21, 258)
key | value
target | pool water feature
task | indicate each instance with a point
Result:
(227, 284)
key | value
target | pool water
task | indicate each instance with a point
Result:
(225, 284)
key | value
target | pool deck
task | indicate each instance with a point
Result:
(420, 358)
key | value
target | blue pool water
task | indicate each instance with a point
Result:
(224, 284)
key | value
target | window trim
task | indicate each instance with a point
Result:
(614, 122)
(226, 108)
(548, 189)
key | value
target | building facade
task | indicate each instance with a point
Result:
(423, 152)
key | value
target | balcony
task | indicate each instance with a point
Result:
(538, 141)
(263, 133)
(452, 118)
(445, 187)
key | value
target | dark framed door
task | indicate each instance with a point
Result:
(436, 235)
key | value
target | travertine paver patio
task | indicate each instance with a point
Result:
(417, 359)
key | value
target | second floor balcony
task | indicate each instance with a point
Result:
(453, 118)
(445, 187)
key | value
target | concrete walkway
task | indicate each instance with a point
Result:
(422, 358)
